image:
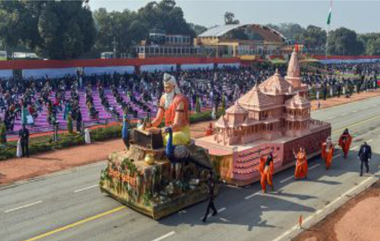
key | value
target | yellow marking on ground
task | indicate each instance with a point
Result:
(44, 235)
(357, 123)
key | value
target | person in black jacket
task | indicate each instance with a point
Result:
(24, 139)
(211, 197)
(365, 154)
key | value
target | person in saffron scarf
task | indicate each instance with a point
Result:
(345, 142)
(301, 164)
(328, 152)
(267, 173)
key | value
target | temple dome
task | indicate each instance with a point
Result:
(255, 100)
(294, 66)
(275, 84)
(236, 109)
(297, 102)
(294, 72)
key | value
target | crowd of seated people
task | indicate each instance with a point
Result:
(136, 93)
(94, 114)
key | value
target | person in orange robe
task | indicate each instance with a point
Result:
(262, 164)
(301, 164)
(345, 142)
(209, 130)
(328, 152)
(267, 174)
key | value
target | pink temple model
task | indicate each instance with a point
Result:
(275, 114)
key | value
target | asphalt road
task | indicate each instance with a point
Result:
(69, 206)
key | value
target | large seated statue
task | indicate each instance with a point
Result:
(174, 107)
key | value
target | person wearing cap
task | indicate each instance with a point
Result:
(345, 142)
(328, 152)
(174, 108)
(365, 154)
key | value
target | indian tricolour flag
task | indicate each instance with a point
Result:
(330, 13)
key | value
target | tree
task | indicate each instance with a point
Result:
(229, 18)
(373, 47)
(343, 41)
(165, 16)
(129, 28)
(291, 31)
(53, 29)
(314, 38)
(123, 27)
(371, 42)
(198, 29)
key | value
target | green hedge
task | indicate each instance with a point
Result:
(66, 140)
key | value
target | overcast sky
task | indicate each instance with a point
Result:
(362, 16)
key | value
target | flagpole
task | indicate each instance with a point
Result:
(328, 32)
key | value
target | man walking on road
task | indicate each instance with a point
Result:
(211, 197)
(365, 154)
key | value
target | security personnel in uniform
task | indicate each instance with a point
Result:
(24, 136)
(211, 196)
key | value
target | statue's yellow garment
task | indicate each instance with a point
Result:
(181, 137)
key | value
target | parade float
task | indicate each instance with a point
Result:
(162, 171)
(274, 115)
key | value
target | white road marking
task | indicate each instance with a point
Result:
(336, 156)
(315, 166)
(219, 211)
(286, 179)
(321, 210)
(354, 148)
(354, 111)
(24, 206)
(85, 188)
(164, 236)
(371, 140)
(251, 196)
(222, 209)
(224, 220)
(330, 118)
